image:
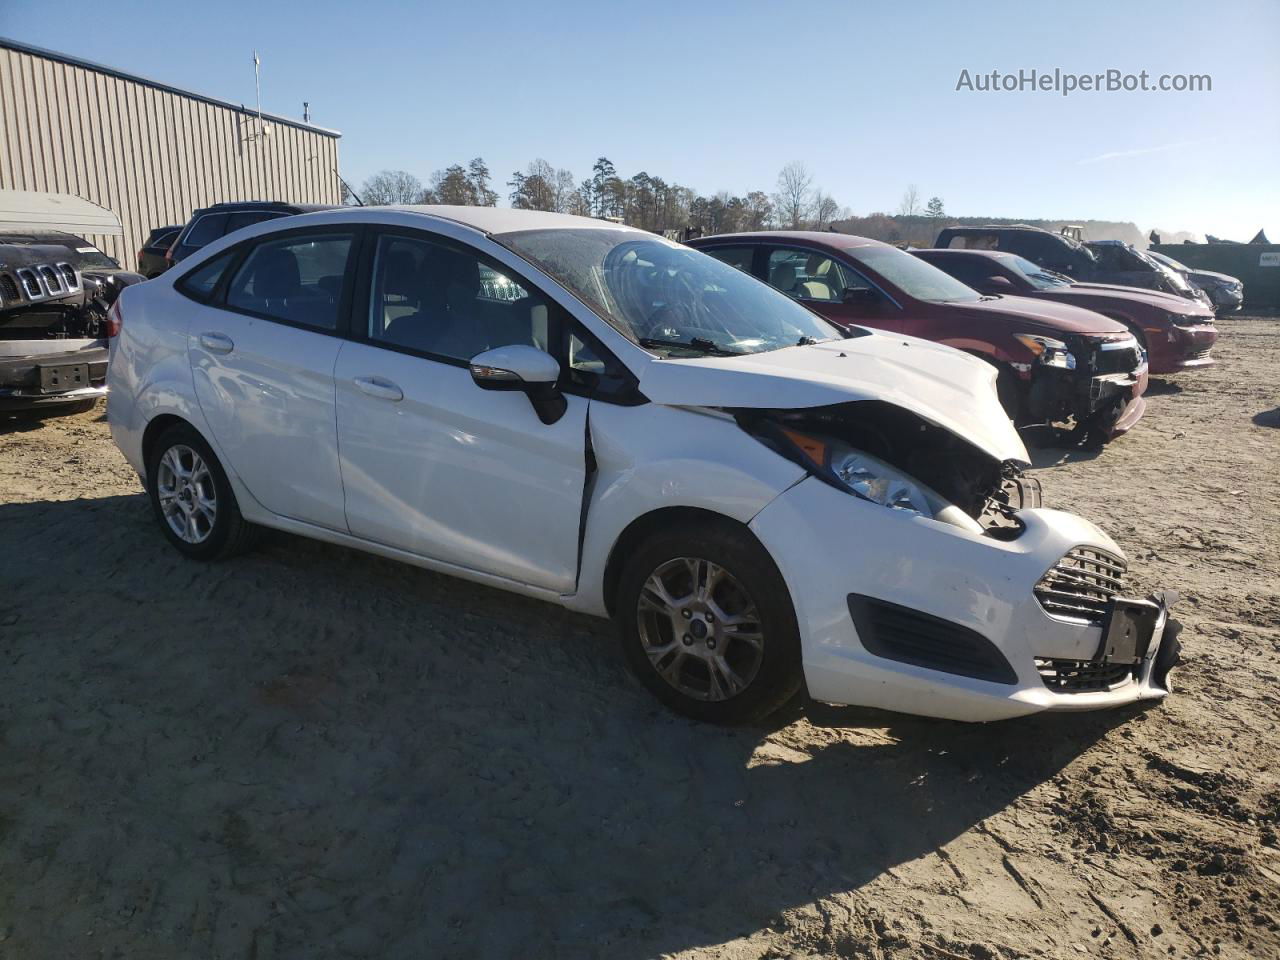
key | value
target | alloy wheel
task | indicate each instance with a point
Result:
(188, 497)
(700, 629)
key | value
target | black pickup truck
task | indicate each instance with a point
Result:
(55, 293)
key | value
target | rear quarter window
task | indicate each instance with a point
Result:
(202, 282)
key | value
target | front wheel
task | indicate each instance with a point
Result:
(707, 624)
(192, 498)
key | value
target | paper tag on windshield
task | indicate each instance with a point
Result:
(86, 249)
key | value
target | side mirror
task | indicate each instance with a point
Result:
(521, 367)
(859, 296)
(997, 285)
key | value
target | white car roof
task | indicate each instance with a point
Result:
(499, 220)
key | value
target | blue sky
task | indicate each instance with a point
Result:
(720, 95)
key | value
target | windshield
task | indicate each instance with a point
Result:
(913, 276)
(1040, 277)
(1173, 276)
(667, 297)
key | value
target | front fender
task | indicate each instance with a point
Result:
(652, 457)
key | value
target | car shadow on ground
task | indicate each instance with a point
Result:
(1050, 446)
(24, 421)
(1161, 388)
(1268, 418)
(312, 748)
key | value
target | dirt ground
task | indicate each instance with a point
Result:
(309, 752)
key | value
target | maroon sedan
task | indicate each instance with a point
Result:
(1056, 361)
(1177, 333)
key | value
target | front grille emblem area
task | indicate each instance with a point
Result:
(1080, 585)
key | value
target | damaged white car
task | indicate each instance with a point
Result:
(591, 415)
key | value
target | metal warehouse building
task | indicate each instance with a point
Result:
(147, 151)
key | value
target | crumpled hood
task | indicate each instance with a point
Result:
(944, 386)
(1213, 275)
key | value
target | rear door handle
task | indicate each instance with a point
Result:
(380, 388)
(217, 342)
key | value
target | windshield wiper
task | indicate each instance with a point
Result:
(696, 344)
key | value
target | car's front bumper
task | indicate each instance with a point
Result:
(1181, 348)
(27, 368)
(829, 545)
(1111, 402)
(1226, 299)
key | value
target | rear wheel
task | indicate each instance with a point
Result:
(707, 624)
(192, 498)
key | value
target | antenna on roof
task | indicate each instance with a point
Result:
(257, 88)
(306, 111)
(263, 129)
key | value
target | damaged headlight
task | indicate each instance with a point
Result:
(870, 478)
(1049, 352)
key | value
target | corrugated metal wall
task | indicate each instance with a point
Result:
(149, 153)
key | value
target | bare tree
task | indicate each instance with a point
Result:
(393, 186)
(795, 194)
(825, 209)
(910, 205)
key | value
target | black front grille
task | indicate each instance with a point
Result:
(68, 275)
(900, 633)
(1082, 676)
(30, 284)
(8, 288)
(1081, 584)
(51, 280)
(1126, 360)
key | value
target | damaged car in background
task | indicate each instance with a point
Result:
(1177, 334)
(1057, 363)
(56, 291)
(763, 502)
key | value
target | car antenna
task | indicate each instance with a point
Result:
(359, 202)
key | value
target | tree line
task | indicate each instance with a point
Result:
(640, 200)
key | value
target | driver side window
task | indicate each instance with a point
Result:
(811, 276)
(446, 301)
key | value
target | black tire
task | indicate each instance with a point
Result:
(229, 533)
(778, 674)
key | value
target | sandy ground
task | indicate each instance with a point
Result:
(310, 753)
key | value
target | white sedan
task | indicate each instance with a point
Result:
(594, 416)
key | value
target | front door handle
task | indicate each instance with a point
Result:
(380, 388)
(217, 342)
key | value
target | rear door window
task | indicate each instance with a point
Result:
(201, 282)
(297, 279)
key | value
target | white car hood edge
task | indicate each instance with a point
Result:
(942, 385)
